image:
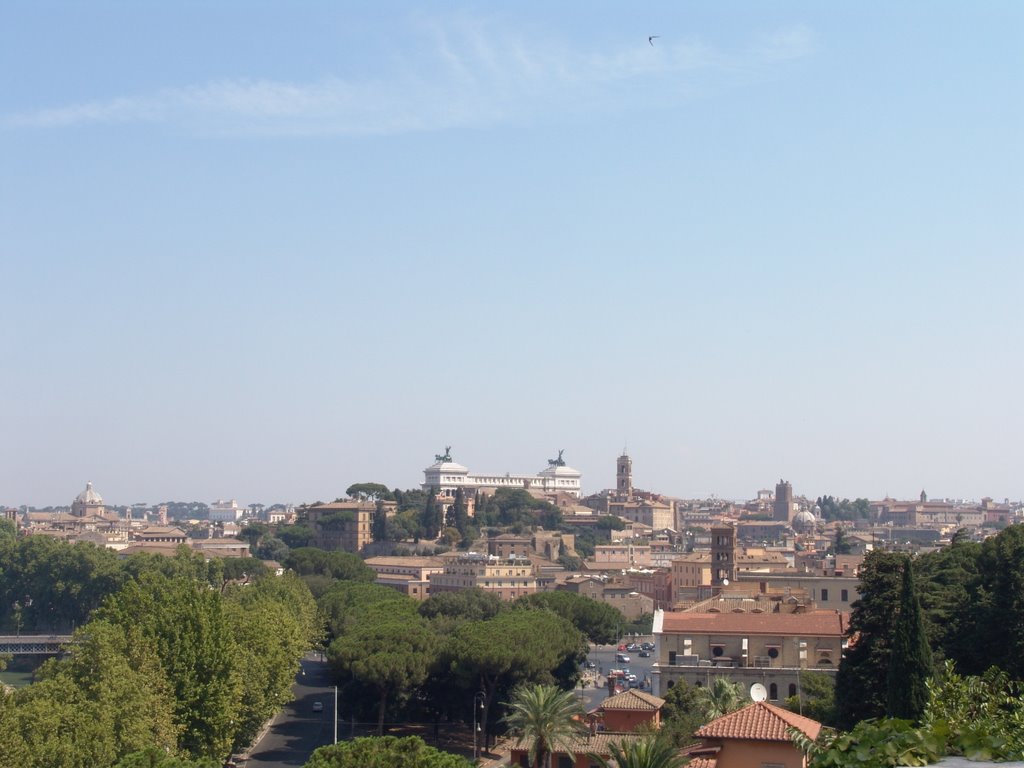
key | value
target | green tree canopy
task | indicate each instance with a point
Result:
(347, 602)
(1000, 603)
(186, 623)
(816, 697)
(431, 518)
(948, 584)
(153, 757)
(599, 622)
(343, 566)
(369, 492)
(516, 507)
(682, 713)
(390, 652)
(514, 647)
(106, 698)
(252, 533)
(384, 752)
(861, 681)
(296, 536)
(274, 622)
(465, 605)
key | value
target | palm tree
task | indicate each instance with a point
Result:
(720, 698)
(546, 716)
(652, 751)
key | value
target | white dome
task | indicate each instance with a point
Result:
(804, 520)
(89, 496)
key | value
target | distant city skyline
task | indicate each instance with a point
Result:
(587, 490)
(264, 252)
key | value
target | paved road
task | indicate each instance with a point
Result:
(298, 730)
(604, 657)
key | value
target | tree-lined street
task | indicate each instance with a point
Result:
(298, 730)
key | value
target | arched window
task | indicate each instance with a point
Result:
(773, 692)
(671, 683)
(792, 689)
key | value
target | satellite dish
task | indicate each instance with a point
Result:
(758, 692)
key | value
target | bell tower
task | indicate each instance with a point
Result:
(723, 555)
(624, 477)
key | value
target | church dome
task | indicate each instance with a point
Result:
(804, 521)
(89, 496)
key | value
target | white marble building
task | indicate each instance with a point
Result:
(446, 476)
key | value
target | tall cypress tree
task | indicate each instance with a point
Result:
(861, 682)
(911, 660)
(459, 514)
(379, 526)
(432, 517)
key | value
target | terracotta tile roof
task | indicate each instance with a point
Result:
(759, 721)
(633, 699)
(414, 561)
(587, 743)
(814, 623)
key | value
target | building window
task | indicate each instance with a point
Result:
(844, 595)
(792, 689)
(717, 650)
(824, 595)
(773, 652)
(773, 692)
(671, 658)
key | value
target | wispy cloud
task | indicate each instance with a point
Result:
(474, 74)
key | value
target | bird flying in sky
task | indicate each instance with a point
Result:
(651, 39)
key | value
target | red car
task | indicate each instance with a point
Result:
(621, 647)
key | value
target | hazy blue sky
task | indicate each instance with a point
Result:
(266, 250)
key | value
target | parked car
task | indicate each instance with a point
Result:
(645, 654)
(632, 647)
(590, 665)
(318, 706)
(622, 658)
(621, 647)
(647, 646)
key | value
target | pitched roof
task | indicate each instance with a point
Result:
(759, 721)
(634, 700)
(587, 743)
(813, 624)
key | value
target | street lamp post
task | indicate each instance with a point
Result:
(335, 714)
(478, 703)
